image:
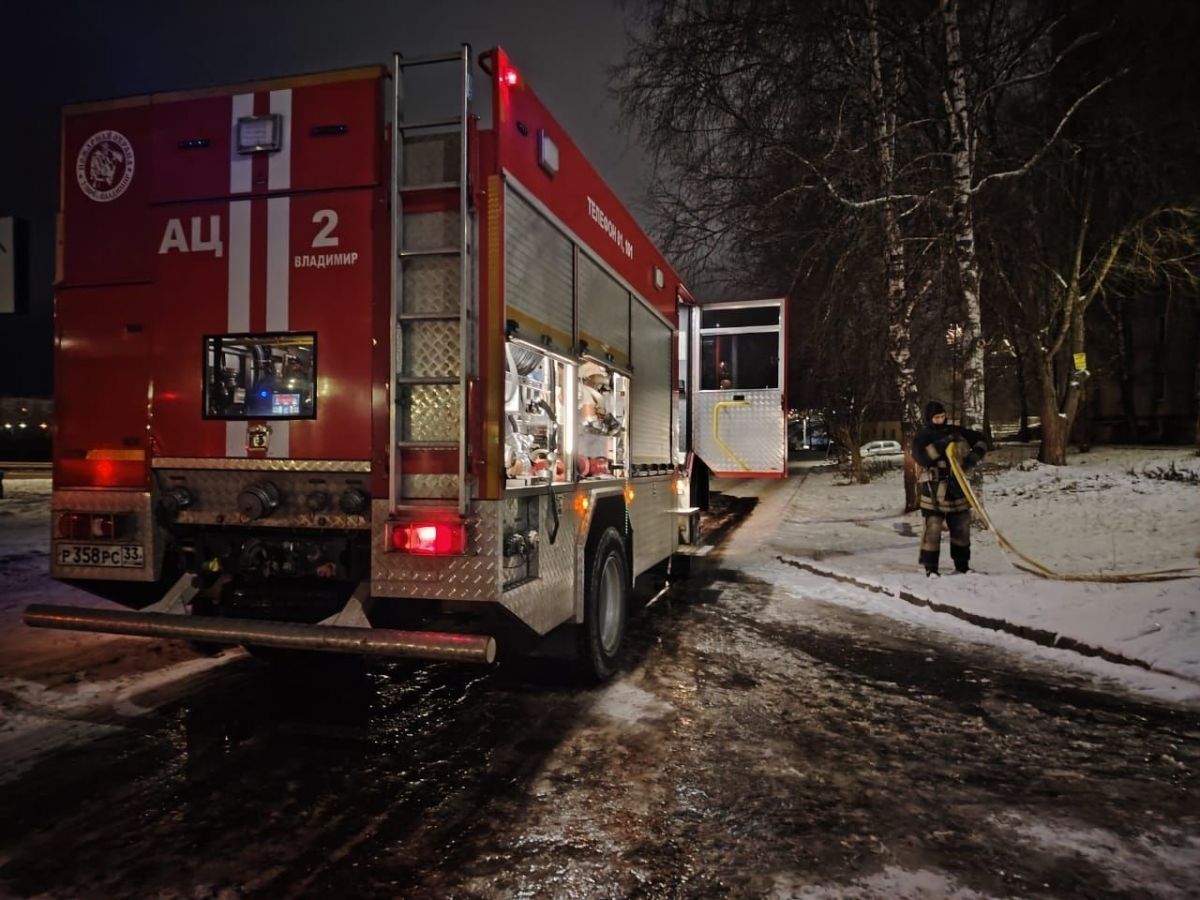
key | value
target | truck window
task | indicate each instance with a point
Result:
(260, 376)
(743, 362)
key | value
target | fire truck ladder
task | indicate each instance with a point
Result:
(432, 301)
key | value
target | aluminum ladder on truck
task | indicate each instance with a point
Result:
(433, 316)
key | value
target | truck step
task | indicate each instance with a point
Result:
(430, 186)
(408, 62)
(428, 317)
(426, 379)
(429, 123)
(432, 251)
(426, 445)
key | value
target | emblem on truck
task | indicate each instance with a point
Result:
(104, 166)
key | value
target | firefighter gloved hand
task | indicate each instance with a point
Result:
(971, 460)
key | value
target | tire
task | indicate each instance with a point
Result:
(601, 637)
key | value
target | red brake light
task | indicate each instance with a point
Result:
(430, 538)
(511, 77)
(74, 526)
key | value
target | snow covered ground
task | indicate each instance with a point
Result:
(1104, 514)
(24, 567)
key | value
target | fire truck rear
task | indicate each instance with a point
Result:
(339, 368)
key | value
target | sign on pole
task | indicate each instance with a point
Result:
(11, 265)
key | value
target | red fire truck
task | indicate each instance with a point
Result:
(339, 368)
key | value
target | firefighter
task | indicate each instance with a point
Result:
(597, 424)
(943, 502)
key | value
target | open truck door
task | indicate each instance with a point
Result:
(739, 375)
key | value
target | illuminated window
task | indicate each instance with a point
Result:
(260, 376)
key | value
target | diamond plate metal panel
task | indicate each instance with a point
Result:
(431, 231)
(754, 434)
(429, 412)
(547, 601)
(650, 387)
(655, 526)
(603, 311)
(475, 576)
(429, 487)
(539, 271)
(146, 533)
(431, 158)
(215, 492)
(431, 348)
(431, 284)
(263, 465)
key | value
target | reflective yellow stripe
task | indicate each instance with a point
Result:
(117, 455)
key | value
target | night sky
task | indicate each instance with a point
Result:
(55, 53)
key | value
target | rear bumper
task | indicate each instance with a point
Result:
(382, 642)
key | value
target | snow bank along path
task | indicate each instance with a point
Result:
(1112, 510)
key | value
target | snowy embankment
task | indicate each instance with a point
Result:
(1108, 512)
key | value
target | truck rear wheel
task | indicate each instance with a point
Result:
(602, 634)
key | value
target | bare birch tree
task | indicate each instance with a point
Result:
(786, 132)
(768, 118)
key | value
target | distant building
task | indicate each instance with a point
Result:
(25, 428)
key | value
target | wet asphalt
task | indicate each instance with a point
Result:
(754, 746)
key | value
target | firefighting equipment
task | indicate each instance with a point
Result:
(1032, 566)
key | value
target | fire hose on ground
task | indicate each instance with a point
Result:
(1032, 566)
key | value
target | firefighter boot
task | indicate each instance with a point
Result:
(931, 544)
(929, 559)
(960, 540)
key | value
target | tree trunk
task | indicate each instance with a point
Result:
(1054, 431)
(1197, 386)
(1058, 419)
(1022, 392)
(1124, 356)
(1077, 388)
(900, 307)
(962, 166)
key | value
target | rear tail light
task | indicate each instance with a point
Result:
(430, 538)
(93, 526)
(74, 526)
(72, 472)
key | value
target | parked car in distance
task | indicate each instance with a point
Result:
(878, 449)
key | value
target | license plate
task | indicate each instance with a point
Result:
(112, 556)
